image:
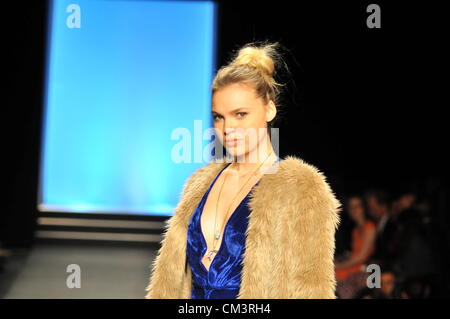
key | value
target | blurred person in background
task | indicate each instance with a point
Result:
(350, 272)
(379, 209)
(388, 283)
(415, 288)
(413, 241)
(388, 289)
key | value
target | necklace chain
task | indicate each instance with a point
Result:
(217, 234)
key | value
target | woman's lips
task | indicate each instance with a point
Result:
(232, 141)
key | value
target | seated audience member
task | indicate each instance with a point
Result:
(350, 273)
(379, 209)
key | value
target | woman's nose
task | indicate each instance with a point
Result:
(229, 132)
(229, 126)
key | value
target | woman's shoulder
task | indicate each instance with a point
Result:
(292, 174)
(204, 173)
(211, 167)
(369, 225)
(308, 193)
(300, 182)
(302, 173)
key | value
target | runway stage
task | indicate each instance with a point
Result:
(107, 271)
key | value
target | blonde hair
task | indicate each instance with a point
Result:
(254, 65)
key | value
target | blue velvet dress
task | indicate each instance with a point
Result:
(223, 279)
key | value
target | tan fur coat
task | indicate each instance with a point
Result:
(290, 239)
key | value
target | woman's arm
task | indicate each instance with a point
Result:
(367, 246)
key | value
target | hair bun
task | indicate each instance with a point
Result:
(254, 64)
(261, 58)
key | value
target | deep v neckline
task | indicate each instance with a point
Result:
(205, 245)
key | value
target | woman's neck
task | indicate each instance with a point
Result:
(361, 222)
(263, 156)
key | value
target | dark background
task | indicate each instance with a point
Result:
(363, 105)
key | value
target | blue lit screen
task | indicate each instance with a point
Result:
(121, 76)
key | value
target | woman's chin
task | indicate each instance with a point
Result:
(235, 151)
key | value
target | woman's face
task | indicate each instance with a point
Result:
(355, 208)
(240, 118)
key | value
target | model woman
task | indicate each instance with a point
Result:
(255, 227)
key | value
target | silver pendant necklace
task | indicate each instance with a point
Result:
(217, 233)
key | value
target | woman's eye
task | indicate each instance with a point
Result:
(239, 115)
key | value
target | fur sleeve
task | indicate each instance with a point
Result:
(163, 283)
(169, 278)
(167, 269)
(312, 242)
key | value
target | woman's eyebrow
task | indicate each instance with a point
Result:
(238, 109)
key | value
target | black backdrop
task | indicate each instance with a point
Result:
(363, 105)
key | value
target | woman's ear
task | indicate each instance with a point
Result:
(271, 111)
